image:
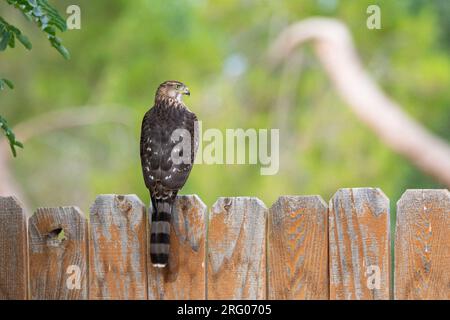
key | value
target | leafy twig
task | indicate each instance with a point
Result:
(10, 136)
(46, 17)
(8, 34)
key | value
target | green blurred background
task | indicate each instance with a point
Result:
(218, 48)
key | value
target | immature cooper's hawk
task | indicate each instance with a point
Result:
(168, 146)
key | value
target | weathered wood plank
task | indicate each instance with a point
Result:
(58, 254)
(236, 263)
(422, 245)
(298, 248)
(359, 244)
(184, 277)
(117, 248)
(13, 250)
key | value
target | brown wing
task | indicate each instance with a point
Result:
(162, 176)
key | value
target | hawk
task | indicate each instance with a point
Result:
(169, 142)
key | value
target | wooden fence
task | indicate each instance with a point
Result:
(299, 248)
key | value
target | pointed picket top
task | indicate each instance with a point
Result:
(58, 254)
(13, 250)
(359, 244)
(298, 248)
(117, 248)
(184, 277)
(236, 266)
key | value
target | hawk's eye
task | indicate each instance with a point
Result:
(178, 86)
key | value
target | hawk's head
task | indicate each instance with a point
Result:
(171, 89)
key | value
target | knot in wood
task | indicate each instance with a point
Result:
(227, 204)
(123, 204)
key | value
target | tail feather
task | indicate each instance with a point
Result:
(160, 232)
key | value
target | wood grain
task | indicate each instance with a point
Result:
(13, 250)
(58, 254)
(359, 244)
(298, 248)
(422, 245)
(236, 265)
(117, 248)
(184, 277)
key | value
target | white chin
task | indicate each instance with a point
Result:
(159, 265)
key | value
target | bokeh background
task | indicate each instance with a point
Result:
(218, 48)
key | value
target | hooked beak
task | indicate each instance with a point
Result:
(186, 91)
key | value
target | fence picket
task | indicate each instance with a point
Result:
(359, 252)
(117, 248)
(298, 248)
(184, 277)
(13, 250)
(422, 245)
(58, 254)
(236, 261)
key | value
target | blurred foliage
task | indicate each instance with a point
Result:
(218, 48)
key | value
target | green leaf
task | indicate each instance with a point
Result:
(12, 42)
(8, 83)
(62, 50)
(50, 31)
(24, 40)
(5, 40)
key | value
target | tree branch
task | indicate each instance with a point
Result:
(334, 47)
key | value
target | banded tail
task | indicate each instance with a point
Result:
(160, 232)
